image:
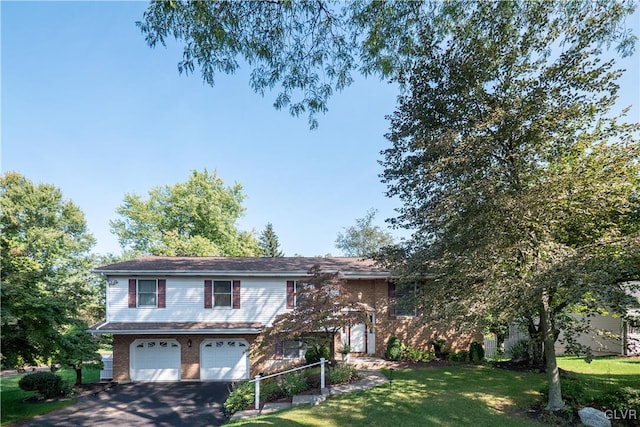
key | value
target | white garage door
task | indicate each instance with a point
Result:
(155, 360)
(224, 359)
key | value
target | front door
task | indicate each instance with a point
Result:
(358, 338)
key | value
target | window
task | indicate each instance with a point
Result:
(222, 293)
(291, 349)
(300, 296)
(405, 299)
(147, 293)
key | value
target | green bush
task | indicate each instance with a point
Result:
(293, 383)
(394, 349)
(622, 399)
(417, 355)
(476, 352)
(315, 352)
(240, 397)
(460, 356)
(342, 374)
(573, 392)
(47, 384)
(520, 350)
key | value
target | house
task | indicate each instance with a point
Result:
(195, 318)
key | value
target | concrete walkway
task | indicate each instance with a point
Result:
(368, 371)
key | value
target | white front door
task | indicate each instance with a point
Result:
(358, 340)
(224, 359)
(155, 360)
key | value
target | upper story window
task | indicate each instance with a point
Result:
(147, 293)
(222, 293)
(406, 299)
(300, 295)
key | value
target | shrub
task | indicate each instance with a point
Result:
(476, 352)
(315, 352)
(573, 392)
(460, 356)
(341, 374)
(521, 350)
(623, 399)
(239, 398)
(394, 349)
(417, 355)
(47, 384)
(293, 383)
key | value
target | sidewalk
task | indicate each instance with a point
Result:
(369, 378)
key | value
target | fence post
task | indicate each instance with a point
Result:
(322, 373)
(257, 391)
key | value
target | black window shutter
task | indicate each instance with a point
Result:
(290, 292)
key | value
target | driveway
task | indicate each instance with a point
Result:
(145, 404)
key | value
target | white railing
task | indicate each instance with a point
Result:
(259, 378)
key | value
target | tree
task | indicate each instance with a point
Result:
(363, 239)
(77, 349)
(307, 50)
(521, 189)
(195, 218)
(324, 306)
(268, 243)
(45, 268)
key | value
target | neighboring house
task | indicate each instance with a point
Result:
(195, 318)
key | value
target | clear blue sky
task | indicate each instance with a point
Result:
(88, 107)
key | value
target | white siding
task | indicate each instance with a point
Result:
(261, 299)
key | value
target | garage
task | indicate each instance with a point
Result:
(224, 359)
(155, 360)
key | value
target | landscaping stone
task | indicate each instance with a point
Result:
(308, 399)
(592, 417)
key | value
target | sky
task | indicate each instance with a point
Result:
(88, 107)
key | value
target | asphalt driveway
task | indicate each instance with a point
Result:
(145, 404)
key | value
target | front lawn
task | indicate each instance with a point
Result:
(457, 395)
(11, 397)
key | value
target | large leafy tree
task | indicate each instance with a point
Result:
(45, 268)
(268, 242)
(194, 218)
(363, 239)
(521, 187)
(306, 50)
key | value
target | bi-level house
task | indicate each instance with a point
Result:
(195, 318)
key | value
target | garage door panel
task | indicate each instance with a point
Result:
(224, 359)
(155, 360)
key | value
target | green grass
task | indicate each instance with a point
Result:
(603, 373)
(13, 409)
(459, 395)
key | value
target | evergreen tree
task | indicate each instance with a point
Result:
(268, 243)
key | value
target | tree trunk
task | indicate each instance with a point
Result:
(79, 375)
(554, 402)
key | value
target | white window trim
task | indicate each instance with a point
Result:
(213, 295)
(138, 294)
(415, 307)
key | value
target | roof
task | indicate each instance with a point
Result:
(246, 266)
(176, 327)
